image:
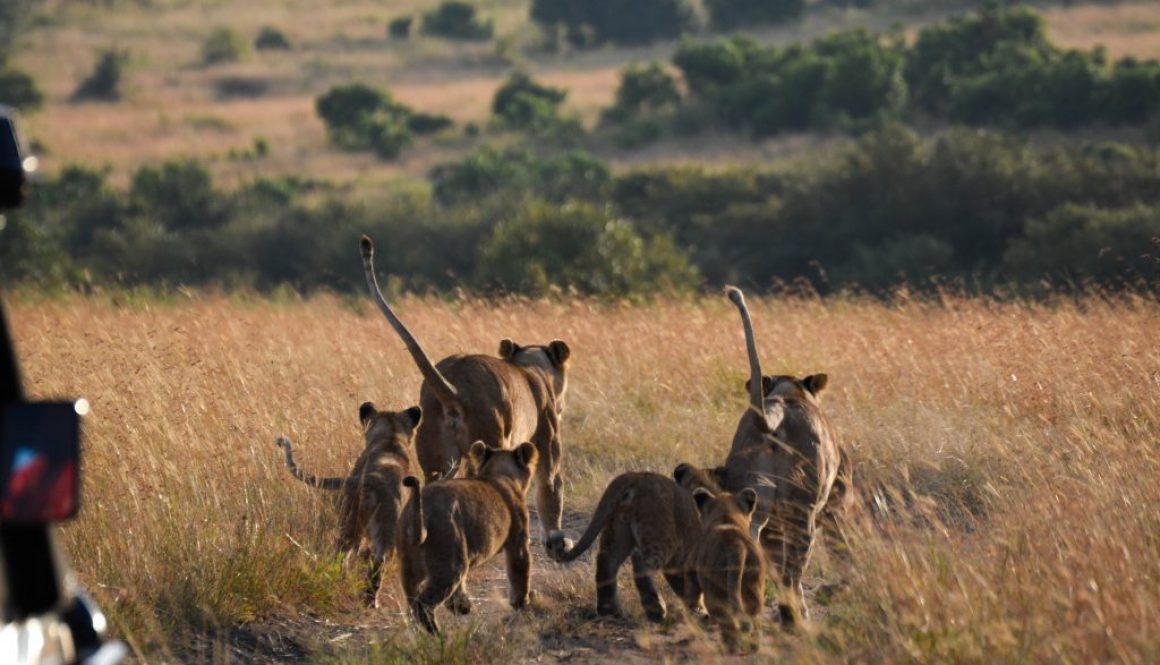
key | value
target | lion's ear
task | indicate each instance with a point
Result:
(478, 454)
(414, 414)
(683, 469)
(558, 352)
(508, 348)
(365, 413)
(526, 454)
(747, 500)
(702, 497)
(816, 383)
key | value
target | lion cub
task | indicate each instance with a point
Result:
(451, 526)
(727, 566)
(651, 518)
(371, 496)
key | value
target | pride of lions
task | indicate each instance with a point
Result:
(487, 429)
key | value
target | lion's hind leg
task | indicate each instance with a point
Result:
(647, 561)
(616, 544)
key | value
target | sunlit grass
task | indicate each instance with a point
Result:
(1006, 451)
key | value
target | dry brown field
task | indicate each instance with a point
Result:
(1007, 453)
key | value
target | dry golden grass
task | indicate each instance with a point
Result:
(1009, 451)
(1124, 29)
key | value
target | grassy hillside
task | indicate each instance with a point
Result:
(1006, 452)
(175, 107)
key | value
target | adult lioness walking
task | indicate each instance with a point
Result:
(785, 449)
(502, 401)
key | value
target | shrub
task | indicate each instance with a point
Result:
(179, 196)
(271, 38)
(574, 175)
(579, 246)
(1082, 243)
(522, 104)
(510, 100)
(400, 27)
(428, 123)
(646, 89)
(19, 90)
(104, 83)
(454, 19)
(731, 14)
(359, 117)
(842, 79)
(587, 23)
(222, 45)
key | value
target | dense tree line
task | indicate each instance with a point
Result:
(979, 208)
(994, 67)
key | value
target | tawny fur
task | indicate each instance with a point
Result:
(451, 526)
(650, 518)
(502, 401)
(727, 567)
(785, 449)
(370, 496)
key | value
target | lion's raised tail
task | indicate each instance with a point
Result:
(333, 483)
(612, 498)
(417, 534)
(756, 399)
(444, 391)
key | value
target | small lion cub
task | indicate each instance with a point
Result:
(450, 526)
(371, 497)
(727, 566)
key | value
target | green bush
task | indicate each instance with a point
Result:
(842, 79)
(525, 105)
(400, 27)
(222, 45)
(104, 83)
(579, 246)
(587, 23)
(271, 38)
(359, 117)
(454, 19)
(520, 100)
(997, 67)
(1079, 244)
(19, 90)
(731, 14)
(178, 196)
(643, 91)
(515, 172)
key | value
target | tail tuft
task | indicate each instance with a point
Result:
(283, 443)
(368, 247)
(557, 545)
(411, 481)
(735, 295)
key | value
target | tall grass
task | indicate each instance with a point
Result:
(1007, 455)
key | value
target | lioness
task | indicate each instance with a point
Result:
(651, 518)
(451, 526)
(502, 401)
(371, 495)
(727, 567)
(785, 449)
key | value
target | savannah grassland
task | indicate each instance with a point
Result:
(172, 106)
(1007, 454)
